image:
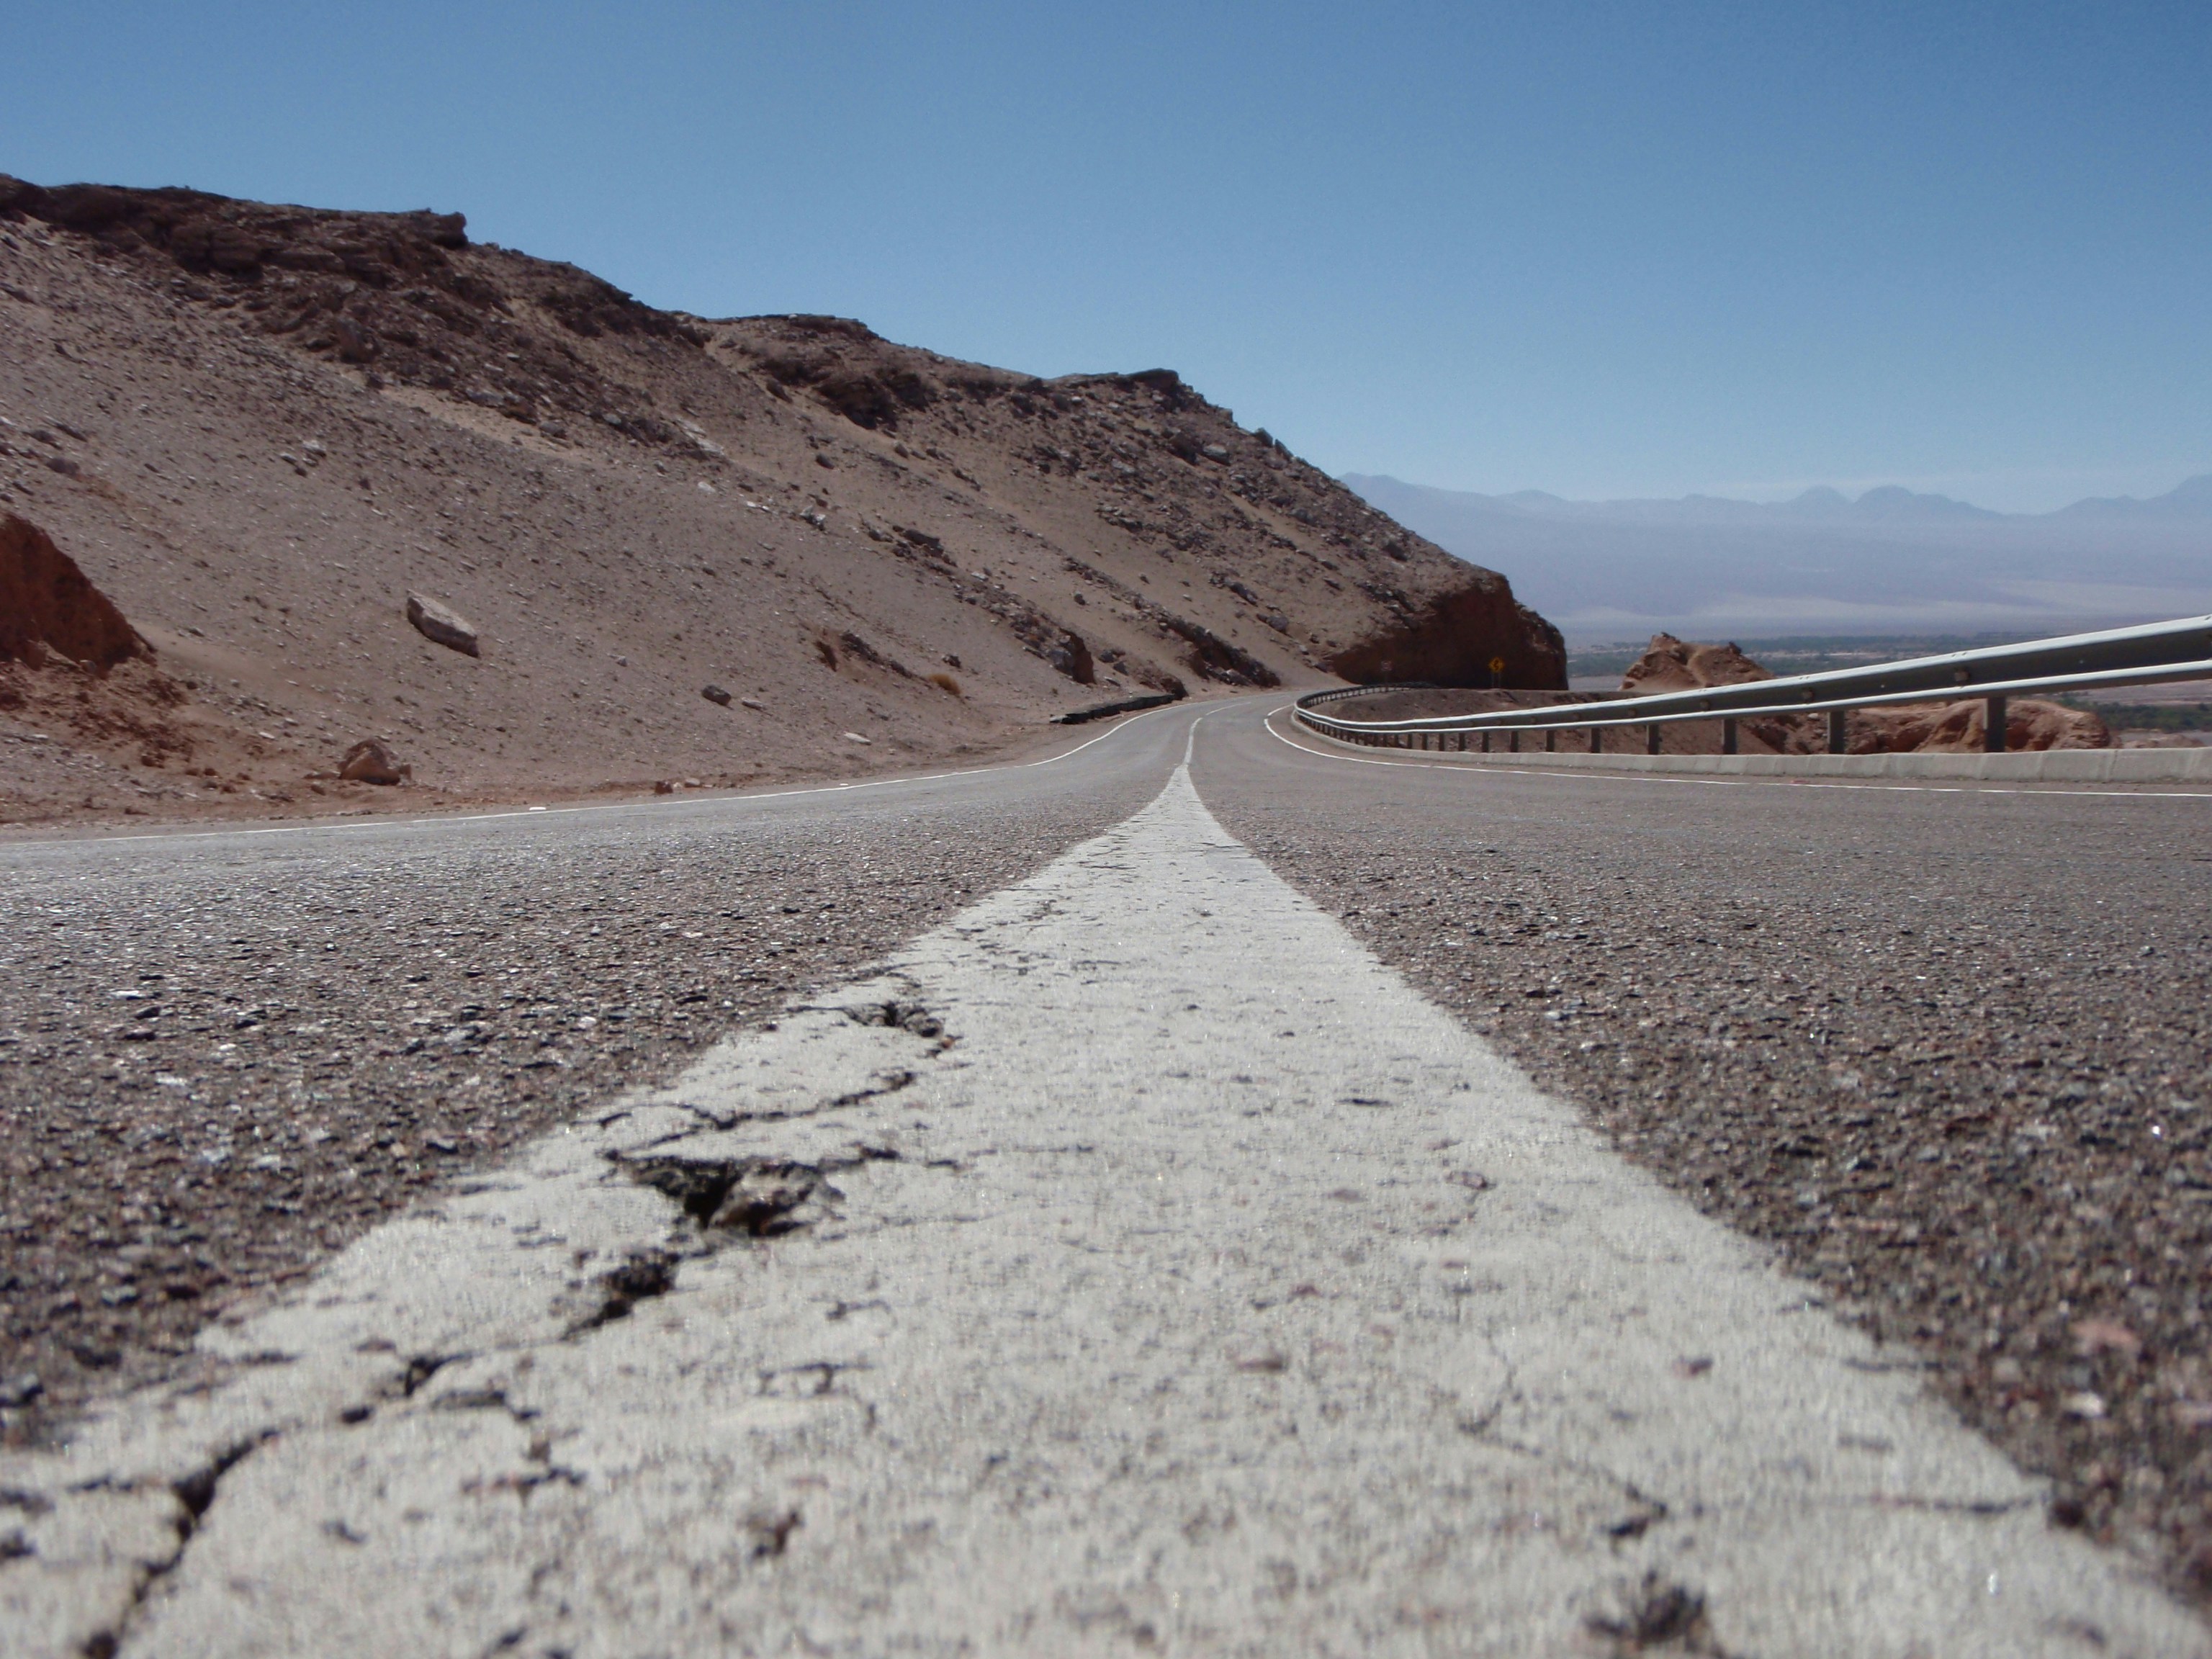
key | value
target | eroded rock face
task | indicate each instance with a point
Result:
(1454, 637)
(1671, 664)
(47, 605)
(1961, 728)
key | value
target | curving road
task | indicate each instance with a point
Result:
(1129, 1258)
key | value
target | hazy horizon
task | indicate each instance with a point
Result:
(1853, 490)
(1604, 571)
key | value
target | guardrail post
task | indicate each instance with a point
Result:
(1597, 740)
(1513, 741)
(1652, 738)
(1728, 737)
(1993, 736)
(1839, 741)
(1551, 739)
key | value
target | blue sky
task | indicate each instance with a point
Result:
(1601, 250)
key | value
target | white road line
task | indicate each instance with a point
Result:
(1595, 776)
(1207, 1290)
(600, 807)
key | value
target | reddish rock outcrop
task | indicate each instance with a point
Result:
(48, 605)
(1960, 727)
(1671, 664)
(370, 761)
(1454, 638)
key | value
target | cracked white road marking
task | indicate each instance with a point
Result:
(1138, 1264)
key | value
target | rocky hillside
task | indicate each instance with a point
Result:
(260, 429)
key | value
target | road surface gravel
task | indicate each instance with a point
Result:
(1136, 1263)
(1986, 1172)
(1949, 1049)
(222, 1056)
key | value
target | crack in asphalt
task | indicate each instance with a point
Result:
(195, 1492)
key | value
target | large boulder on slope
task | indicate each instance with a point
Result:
(443, 625)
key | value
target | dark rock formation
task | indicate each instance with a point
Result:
(49, 605)
(1454, 638)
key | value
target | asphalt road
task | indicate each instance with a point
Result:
(1948, 1048)
(1976, 1133)
(223, 1054)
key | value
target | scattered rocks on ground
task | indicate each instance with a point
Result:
(714, 694)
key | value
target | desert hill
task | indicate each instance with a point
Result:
(260, 429)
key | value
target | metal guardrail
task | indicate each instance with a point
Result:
(2150, 654)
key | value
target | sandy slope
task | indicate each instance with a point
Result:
(259, 429)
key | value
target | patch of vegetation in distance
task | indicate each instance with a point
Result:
(2148, 716)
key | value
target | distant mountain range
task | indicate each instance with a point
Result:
(1889, 561)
